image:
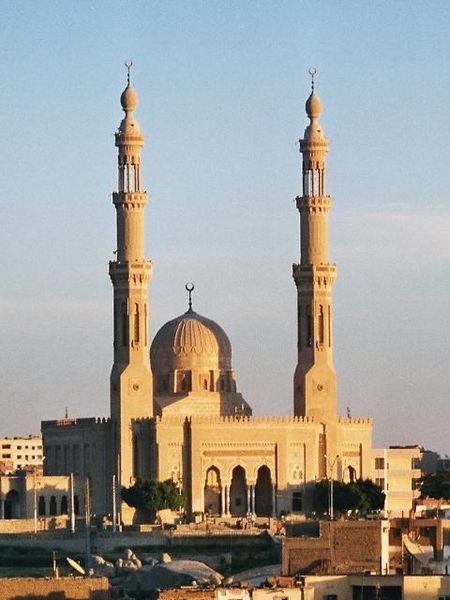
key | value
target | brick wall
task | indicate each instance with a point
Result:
(342, 547)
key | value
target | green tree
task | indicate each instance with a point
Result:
(436, 485)
(362, 494)
(150, 495)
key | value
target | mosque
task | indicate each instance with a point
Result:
(176, 411)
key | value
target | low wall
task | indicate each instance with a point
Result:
(14, 526)
(65, 588)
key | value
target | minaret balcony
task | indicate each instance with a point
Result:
(310, 276)
(131, 271)
(131, 199)
(309, 203)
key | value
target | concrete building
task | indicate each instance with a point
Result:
(21, 453)
(30, 496)
(397, 471)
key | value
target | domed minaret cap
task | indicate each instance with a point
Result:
(129, 98)
(313, 106)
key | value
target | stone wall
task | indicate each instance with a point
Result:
(65, 588)
(15, 526)
(187, 594)
(342, 547)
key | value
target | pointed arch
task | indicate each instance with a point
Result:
(212, 491)
(238, 492)
(263, 492)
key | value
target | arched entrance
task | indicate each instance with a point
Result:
(213, 490)
(263, 493)
(12, 505)
(238, 492)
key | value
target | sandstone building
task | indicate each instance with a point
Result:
(176, 411)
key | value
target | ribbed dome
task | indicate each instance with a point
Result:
(189, 339)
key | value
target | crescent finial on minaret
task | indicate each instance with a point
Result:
(128, 64)
(312, 71)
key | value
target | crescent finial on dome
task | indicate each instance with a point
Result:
(189, 287)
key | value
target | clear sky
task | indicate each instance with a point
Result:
(222, 87)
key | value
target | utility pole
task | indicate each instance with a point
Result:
(331, 498)
(72, 505)
(114, 505)
(87, 505)
(34, 501)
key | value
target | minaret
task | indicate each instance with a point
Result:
(131, 376)
(314, 378)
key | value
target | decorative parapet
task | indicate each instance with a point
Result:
(355, 420)
(73, 421)
(245, 420)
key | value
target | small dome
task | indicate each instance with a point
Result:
(313, 106)
(188, 340)
(129, 99)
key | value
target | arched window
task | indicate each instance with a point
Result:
(53, 509)
(136, 324)
(321, 325)
(41, 506)
(64, 506)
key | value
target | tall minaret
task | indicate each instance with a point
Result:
(131, 376)
(314, 378)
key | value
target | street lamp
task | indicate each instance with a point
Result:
(331, 464)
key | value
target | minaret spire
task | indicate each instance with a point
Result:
(315, 378)
(131, 377)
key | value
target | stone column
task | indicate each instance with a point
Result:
(249, 498)
(253, 499)
(223, 500)
(227, 500)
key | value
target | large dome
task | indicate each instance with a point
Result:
(192, 373)
(190, 340)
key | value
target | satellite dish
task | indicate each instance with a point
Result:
(73, 563)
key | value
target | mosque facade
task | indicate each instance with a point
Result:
(176, 411)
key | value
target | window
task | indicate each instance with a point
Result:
(6, 455)
(379, 481)
(379, 463)
(6, 446)
(41, 506)
(64, 506)
(52, 510)
(321, 325)
(136, 324)
(297, 501)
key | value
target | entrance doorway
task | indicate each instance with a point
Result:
(263, 493)
(238, 492)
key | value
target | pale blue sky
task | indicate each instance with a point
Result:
(222, 87)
